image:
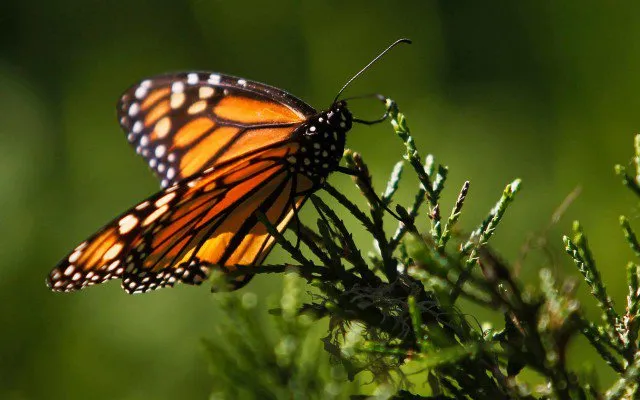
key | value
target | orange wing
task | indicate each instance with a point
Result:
(224, 148)
(185, 123)
(180, 233)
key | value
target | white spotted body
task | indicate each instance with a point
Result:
(322, 140)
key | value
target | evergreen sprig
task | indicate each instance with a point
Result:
(578, 249)
(395, 315)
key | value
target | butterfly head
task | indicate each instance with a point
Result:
(339, 117)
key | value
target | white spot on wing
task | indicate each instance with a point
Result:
(74, 256)
(112, 252)
(160, 150)
(192, 78)
(197, 107)
(127, 223)
(177, 99)
(177, 87)
(134, 108)
(205, 92)
(214, 79)
(162, 127)
(155, 215)
(137, 127)
(113, 265)
(141, 91)
(165, 199)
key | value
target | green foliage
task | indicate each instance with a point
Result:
(396, 317)
(275, 358)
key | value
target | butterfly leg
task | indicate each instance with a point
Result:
(324, 218)
(296, 216)
(375, 121)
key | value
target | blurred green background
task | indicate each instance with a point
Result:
(545, 91)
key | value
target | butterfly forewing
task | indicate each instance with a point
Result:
(185, 123)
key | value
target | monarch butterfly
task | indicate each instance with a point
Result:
(223, 148)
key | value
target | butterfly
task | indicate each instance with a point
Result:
(224, 149)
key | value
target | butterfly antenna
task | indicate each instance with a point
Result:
(366, 67)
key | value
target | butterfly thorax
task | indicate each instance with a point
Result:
(322, 139)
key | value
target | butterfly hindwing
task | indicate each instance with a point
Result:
(180, 233)
(185, 123)
(110, 251)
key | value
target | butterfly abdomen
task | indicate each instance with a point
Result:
(322, 140)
